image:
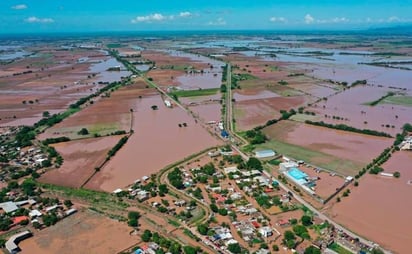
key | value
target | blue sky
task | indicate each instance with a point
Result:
(142, 15)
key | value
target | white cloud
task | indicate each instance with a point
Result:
(19, 7)
(309, 19)
(158, 17)
(393, 19)
(340, 20)
(278, 19)
(39, 20)
(218, 22)
(149, 18)
(185, 14)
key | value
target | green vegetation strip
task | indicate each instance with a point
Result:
(344, 127)
(339, 249)
(376, 102)
(399, 100)
(96, 198)
(194, 93)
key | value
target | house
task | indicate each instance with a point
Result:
(8, 207)
(180, 203)
(11, 244)
(142, 195)
(70, 212)
(218, 197)
(262, 251)
(229, 170)
(266, 231)
(283, 223)
(19, 219)
(34, 214)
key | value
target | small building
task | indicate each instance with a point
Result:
(229, 170)
(70, 211)
(283, 223)
(224, 134)
(168, 103)
(35, 213)
(11, 244)
(142, 195)
(8, 207)
(266, 231)
(264, 154)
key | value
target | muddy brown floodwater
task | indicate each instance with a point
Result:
(83, 232)
(379, 208)
(350, 105)
(80, 159)
(157, 142)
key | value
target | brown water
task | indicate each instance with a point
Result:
(350, 105)
(379, 208)
(157, 142)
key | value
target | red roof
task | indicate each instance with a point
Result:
(218, 197)
(17, 220)
(283, 222)
(255, 224)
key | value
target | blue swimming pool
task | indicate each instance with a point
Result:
(297, 174)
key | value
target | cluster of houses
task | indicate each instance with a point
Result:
(149, 248)
(32, 156)
(36, 212)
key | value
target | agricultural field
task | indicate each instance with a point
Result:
(157, 142)
(385, 205)
(85, 231)
(330, 149)
(81, 158)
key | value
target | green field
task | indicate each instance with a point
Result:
(114, 45)
(339, 249)
(317, 158)
(195, 93)
(398, 100)
(303, 117)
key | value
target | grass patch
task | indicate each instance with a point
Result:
(376, 102)
(317, 158)
(114, 45)
(398, 100)
(195, 93)
(99, 200)
(303, 117)
(174, 223)
(339, 249)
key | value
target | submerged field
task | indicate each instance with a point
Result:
(157, 142)
(331, 149)
(81, 157)
(85, 231)
(380, 207)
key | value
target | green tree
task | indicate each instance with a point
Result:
(214, 208)
(397, 174)
(275, 247)
(306, 220)
(83, 132)
(68, 203)
(203, 228)
(146, 236)
(254, 163)
(234, 248)
(289, 235)
(312, 250)
(300, 231)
